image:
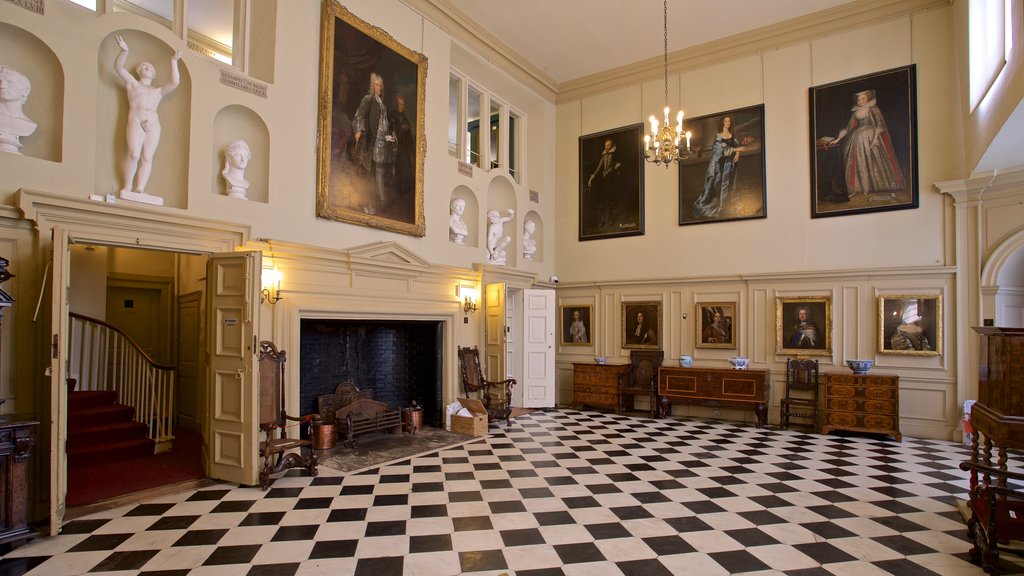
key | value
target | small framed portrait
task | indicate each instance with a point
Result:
(576, 323)
(641, 325)
(716, 325)
(803, 325)
(910, 324)
(864, 144)
(612, 183)
(723, 179)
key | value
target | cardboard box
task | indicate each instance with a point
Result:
(472, 426)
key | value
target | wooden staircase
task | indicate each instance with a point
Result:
(102, 430)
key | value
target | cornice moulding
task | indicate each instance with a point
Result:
(479, 40)
(848, 16)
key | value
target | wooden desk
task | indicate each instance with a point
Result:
(862, 403)
(597, 385)
(714, 387)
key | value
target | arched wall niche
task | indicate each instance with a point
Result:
(24, 52)
(538, 234)
(169, 178)
(501, 195)
(1002, 283)
(471, 216)
(237, 122)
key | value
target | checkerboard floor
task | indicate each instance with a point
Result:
(561, 492)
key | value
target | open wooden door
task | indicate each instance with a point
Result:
(233, 286)
(494, 337)
(59, 351)
(538, 336)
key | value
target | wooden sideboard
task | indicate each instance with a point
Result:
(862, 403)
(597, 385)
(714, 387)
(16, 441)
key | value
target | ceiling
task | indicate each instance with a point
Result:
(569, 39)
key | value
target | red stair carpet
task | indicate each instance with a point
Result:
(109, 454)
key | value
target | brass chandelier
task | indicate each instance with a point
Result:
(665, 144)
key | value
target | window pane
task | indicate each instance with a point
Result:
(987, 45)
(473, 128)
(160, 11)
(454, 92)
(211, 28)
(90, 4)
(495, 131)
(513, 148)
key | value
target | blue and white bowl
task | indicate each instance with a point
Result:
(601, 359)
(860, 366)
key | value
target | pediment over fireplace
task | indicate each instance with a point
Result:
(388, 258)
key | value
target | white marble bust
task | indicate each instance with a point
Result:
(529, 244)
(236, 158)
(14, 125)
(457, 229)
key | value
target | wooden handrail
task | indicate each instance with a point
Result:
(135, 344)
(103, 357)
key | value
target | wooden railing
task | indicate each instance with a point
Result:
(105, 358)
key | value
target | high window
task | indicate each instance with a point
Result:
(991, 42)
(482, 129)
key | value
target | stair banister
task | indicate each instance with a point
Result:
(103, 357)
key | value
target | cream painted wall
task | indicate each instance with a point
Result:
(788, 240)
(81, 41)
(852, 259)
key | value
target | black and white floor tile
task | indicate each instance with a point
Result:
(561, 492)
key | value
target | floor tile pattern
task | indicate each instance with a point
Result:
(561, 492)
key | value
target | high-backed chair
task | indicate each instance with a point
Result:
(496, 396)
(283, 447)
(643, 380)
(801, 399)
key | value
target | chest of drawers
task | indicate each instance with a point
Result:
(862, 403)
(597, 385)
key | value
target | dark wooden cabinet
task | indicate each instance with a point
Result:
(995, 499)
(16, 441)
(597, 385)
(862, 403)
(999, 412)
(714, 387)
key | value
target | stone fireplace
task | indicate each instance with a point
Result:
(401, 361)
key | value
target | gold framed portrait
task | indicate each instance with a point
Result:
(370, 133)
(716, 325)
(577, 323)
(803, 325)
(910, 324)
(641, 325)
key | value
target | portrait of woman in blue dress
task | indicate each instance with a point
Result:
(720, 179)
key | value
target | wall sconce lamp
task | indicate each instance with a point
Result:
(469, 298)
(271, 281)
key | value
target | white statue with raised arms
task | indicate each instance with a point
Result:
(143, 129)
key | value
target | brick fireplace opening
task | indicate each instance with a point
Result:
(399, 360)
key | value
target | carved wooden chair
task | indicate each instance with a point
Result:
(801, 399)
(643, 380)
(996, 502)
(496, 396)
(283, 447)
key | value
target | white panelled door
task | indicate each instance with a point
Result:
(538, 337)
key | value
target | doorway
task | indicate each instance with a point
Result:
(131, 292)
